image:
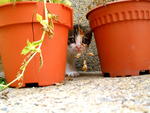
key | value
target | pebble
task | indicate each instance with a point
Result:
(4, 109)
(1, 74)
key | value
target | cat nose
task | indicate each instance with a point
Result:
(78, 48)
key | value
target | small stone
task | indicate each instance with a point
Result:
(1, 74)
(36, 104)
(17, 103)
(4, 109)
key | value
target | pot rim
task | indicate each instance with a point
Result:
(114, 2)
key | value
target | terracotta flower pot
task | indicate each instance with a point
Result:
(122, 33)
(17, 25)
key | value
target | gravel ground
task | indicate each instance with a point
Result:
(83, 94)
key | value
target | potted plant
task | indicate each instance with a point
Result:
(44, 27)
(121, 30)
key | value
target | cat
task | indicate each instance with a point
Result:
(78, 42)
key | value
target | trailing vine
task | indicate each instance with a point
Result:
(33, 48)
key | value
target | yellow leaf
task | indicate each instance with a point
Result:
(39, 18)
(78, 55)
(50, 15)
(90, 54)
(84, 68)
(44, 23)
(67, 2)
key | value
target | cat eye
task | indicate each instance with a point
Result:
(71, 40)
(85, 40)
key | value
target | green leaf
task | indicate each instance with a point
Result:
(29, 43)
(39, 18)
(50, 15)
(12, 0)
(4, 2)
(67, 2)
(22, 67)
(27, 48)
(37, 43)
(44, 23)
(2, 82)
(25, 51)
(51, 26)
(31, 47)
(41, 60)
(55, 1)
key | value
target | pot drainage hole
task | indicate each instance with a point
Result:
(32, 85)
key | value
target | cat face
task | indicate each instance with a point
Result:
(79, 39)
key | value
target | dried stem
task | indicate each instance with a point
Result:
(31, 56)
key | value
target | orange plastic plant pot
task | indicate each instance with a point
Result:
(17, 25)
(122, 33)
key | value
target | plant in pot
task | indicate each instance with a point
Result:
(121, 30)
(44, 27)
